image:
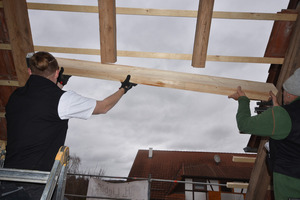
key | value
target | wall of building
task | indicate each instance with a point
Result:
(211, 192)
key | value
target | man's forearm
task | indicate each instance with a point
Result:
(261, 124)
(108, 103)
(243, 113)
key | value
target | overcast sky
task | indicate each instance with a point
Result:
(148, 116)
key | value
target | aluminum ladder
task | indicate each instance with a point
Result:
(57, 175)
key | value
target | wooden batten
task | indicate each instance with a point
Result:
(5, 46)
(16, 16)
(163, 12)
(107, 20)
(169, 79)
(160, 55)
(205, 12)
(9, 83)
(243, 159)
(237, 185)
(242, 185)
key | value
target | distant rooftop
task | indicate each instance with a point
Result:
(178, 165)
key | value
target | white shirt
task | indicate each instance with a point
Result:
(73, 105)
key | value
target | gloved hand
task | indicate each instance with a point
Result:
(62, 78)
(127, 85)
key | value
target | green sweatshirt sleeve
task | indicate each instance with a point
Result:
(274, 122)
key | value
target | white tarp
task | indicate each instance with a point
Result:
(136, 190)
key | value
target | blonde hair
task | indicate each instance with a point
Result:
(43, 64)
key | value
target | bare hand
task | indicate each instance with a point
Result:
(274, 99)
(237, 94)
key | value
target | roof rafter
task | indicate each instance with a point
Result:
(21, 43)
(204, 18)
(107, 21)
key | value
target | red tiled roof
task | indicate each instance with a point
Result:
(174, 165)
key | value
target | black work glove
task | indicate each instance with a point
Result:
(127, 85)
(62, 78)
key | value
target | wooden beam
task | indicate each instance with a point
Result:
(159, 55)
(164, 12)
(204, 17)
(68, 50)
(9, 83)
(241, 185)
(164, 78)
(260, 178)
(2, 114)
(63, 7)
(16, 16)
(216, 14)
(5, 46)
(243, 159)
(237, 185)
(255, 16)
(107, 20)
(3, 145)
(241, 59)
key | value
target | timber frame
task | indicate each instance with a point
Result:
(16, 42)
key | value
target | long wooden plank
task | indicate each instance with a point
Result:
(164, 12)
(159, 55)
(204, 18)
(164, 78)
(107, 20)
(16, 16)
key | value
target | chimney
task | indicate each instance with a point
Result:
(150, 152)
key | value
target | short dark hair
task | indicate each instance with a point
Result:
(43, 64)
